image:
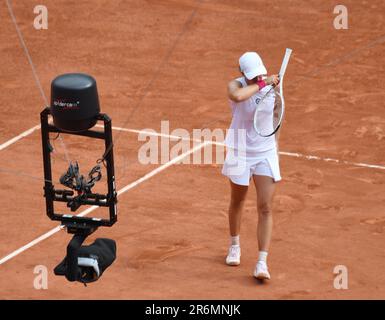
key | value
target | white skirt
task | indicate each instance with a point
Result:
(240, 168)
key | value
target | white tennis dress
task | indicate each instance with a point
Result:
(247, 152)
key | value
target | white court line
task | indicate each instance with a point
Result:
(309, 157)
(20, 136)
(87, 211)
(152, 133)
(284, 153)
(159, 169)
(33, 129)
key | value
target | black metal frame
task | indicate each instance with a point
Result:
(73, 222)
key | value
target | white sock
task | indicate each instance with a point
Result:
(262, 256)
(234, 240)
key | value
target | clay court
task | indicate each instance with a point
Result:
(172, 60)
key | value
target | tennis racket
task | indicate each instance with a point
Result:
(266, 120)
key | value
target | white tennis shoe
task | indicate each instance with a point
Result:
(234, 256)
(261, 272)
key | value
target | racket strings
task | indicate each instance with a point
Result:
(268, 114)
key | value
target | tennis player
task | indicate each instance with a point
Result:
(251, 156)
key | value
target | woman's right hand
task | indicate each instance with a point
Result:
(272, 80)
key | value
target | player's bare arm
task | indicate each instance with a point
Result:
(237, 94)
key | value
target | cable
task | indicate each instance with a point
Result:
(74, 180)
(34, 72)
(155, 75)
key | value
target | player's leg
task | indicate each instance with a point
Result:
(265, 187)
(238, 196)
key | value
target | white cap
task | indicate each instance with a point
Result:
(251, 65)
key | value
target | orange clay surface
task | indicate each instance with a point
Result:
(172, 233)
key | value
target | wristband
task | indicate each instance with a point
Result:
(261, 84)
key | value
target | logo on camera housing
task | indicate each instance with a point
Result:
(66, 105)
